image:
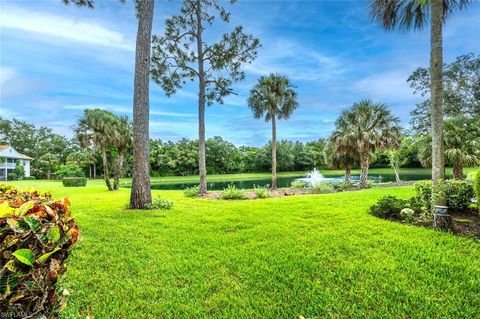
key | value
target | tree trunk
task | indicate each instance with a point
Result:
(90, 171)
(274, 153)
(202, 168)
(397, 176)
(48, 172)
(348, 174)
(442, 222)
(141, 195)
(436, 73)
(94, 170)
(117, 171)
(457, 171)
(106, 173)
(363, 171)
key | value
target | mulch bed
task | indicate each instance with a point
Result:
(465, 223)
(282, 192)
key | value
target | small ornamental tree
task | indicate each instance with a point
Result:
(182, 54)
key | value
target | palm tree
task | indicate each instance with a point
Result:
(140, 194)
(122, 139)
(366, 127)
(462, 144)
(415, 13)
(96, 128)
(338, 156)
(273, 97)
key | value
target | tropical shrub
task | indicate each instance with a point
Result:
(74, 182)
(261, 192)
(19, 170)
(160, 203)
(321, 188)
(459, 194)
(298, 184)
(12, 176)
(388, 207)
(477, 188)
(232, 192)
(192, 191)
(70, 170)
(36, 237)
(343, 186)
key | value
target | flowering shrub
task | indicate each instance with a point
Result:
(36, 236)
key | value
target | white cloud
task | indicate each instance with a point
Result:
(387, 86)
(125, 110)
(59, 26)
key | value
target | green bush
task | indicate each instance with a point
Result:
(160, 203)
(459, 194)
(36, 236)
(476, 186)
(343, 186)
(70, 170)
(232, 192)
(322, 188)
(298, 184)
(261, 192)
(30, 178)
(388, 207)
(74, 182)
(12, 177)
(192, 191)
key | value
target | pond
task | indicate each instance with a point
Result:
(284, 181)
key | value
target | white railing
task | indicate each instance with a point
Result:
(7, 165)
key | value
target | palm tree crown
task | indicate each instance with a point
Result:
(362, 130)
(273, 96)
(408, 14)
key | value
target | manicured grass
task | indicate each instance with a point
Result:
(320, 256)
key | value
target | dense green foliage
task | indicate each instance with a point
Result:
(261, 192)
(192, 191)
(36, 237)
(461, 86)
(70, 170)
(74, 182)
(388, 207)
(459, 194)
(477, 188)
(181, 158)
(321, 188)
(319, 256)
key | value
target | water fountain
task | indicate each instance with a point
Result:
(313, 178)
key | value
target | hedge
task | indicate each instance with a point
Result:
(36, 237)
(74, 182)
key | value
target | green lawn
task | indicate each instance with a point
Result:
(320, 256)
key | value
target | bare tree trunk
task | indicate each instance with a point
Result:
(363, 171)
(90, 171)
(397, 176)
(117, 171)
(348, 174)
(202, 168)
(141, 194)
(436, 72)
(94, 170)
(457, 171)
(48, 172)
(106, 173)
(274, 153)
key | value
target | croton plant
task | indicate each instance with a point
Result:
(36, 235)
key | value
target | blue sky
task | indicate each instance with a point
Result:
(57, 60)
